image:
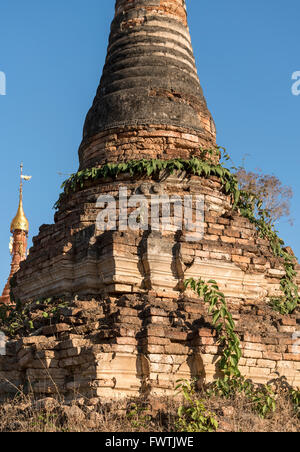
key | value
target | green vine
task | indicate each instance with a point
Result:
(151, 167)
(248, 204)
(223, 323)
(261, 397)
(251, 208)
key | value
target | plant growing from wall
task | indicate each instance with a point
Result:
(261, 397)
(251, 208)
(148, 168)
(24, 318)
(223, 323)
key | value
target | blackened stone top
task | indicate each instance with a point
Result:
(149, 75)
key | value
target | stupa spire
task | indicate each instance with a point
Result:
(18, 242)
(149, 79)
(20, 221)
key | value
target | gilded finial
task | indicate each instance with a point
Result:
(20, 221)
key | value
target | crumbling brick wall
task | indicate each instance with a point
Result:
(73, 257)
(142, 344)
(134, 331)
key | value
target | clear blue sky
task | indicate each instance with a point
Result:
(52, 53)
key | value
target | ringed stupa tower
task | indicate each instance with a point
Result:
(149, 103)
(18, 244)
(127, 327)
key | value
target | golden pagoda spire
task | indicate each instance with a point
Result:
(18, 242)
(20, 221)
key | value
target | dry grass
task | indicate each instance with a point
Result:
(23, 414)
(238, 416)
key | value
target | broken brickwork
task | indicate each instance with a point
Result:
(142, 344)
(128, 327)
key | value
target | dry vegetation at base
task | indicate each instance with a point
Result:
(23, 414)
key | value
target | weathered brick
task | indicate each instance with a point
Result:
(241, 259)
(266, 363)
(252, 354)
(272, 356)
(139, 323)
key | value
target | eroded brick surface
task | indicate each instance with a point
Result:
(142, 344)
(127, 328)
(73, 257)
(149, 84)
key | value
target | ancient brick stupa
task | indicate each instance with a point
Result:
(126, 327)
